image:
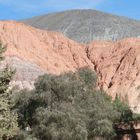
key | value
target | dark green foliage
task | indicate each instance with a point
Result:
(8, 118)
(5, 77)
(23, 135)
(102, 116)
(123, 109)
(27, 102)
(136, 117)
(68, 107)
(59, 125)
(88, 77)
(2, 50)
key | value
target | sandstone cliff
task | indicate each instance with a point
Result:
(118, 67)
(34, 52)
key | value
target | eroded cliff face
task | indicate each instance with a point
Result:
(34, 52)
(118, 68)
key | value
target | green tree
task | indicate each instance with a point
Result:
(125, 113)
(8, 118)
(66, 107)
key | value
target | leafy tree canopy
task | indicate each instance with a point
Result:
(8, 118)
(68, 107)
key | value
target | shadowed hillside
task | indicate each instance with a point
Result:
(87, 25)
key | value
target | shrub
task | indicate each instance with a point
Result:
(8, 118)
(69, 107)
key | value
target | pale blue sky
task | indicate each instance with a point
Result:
(20, 9)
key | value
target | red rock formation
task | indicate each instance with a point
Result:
(118, 67)
(33, 52)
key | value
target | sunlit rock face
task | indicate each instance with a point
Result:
(118, 68)
(33, 52)
(86, 25)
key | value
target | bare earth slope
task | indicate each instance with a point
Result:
(33, 52)
(86, 25)
(118, 67)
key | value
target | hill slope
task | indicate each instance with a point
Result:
(34, 52)
(118, 68)
(86, 25)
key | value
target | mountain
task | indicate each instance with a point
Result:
(33, 52)
(86, 25)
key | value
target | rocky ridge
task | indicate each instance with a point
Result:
(118, 69)
(34, 52)
(86, 25)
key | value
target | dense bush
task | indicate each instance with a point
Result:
(8, 118)
(68, 107)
